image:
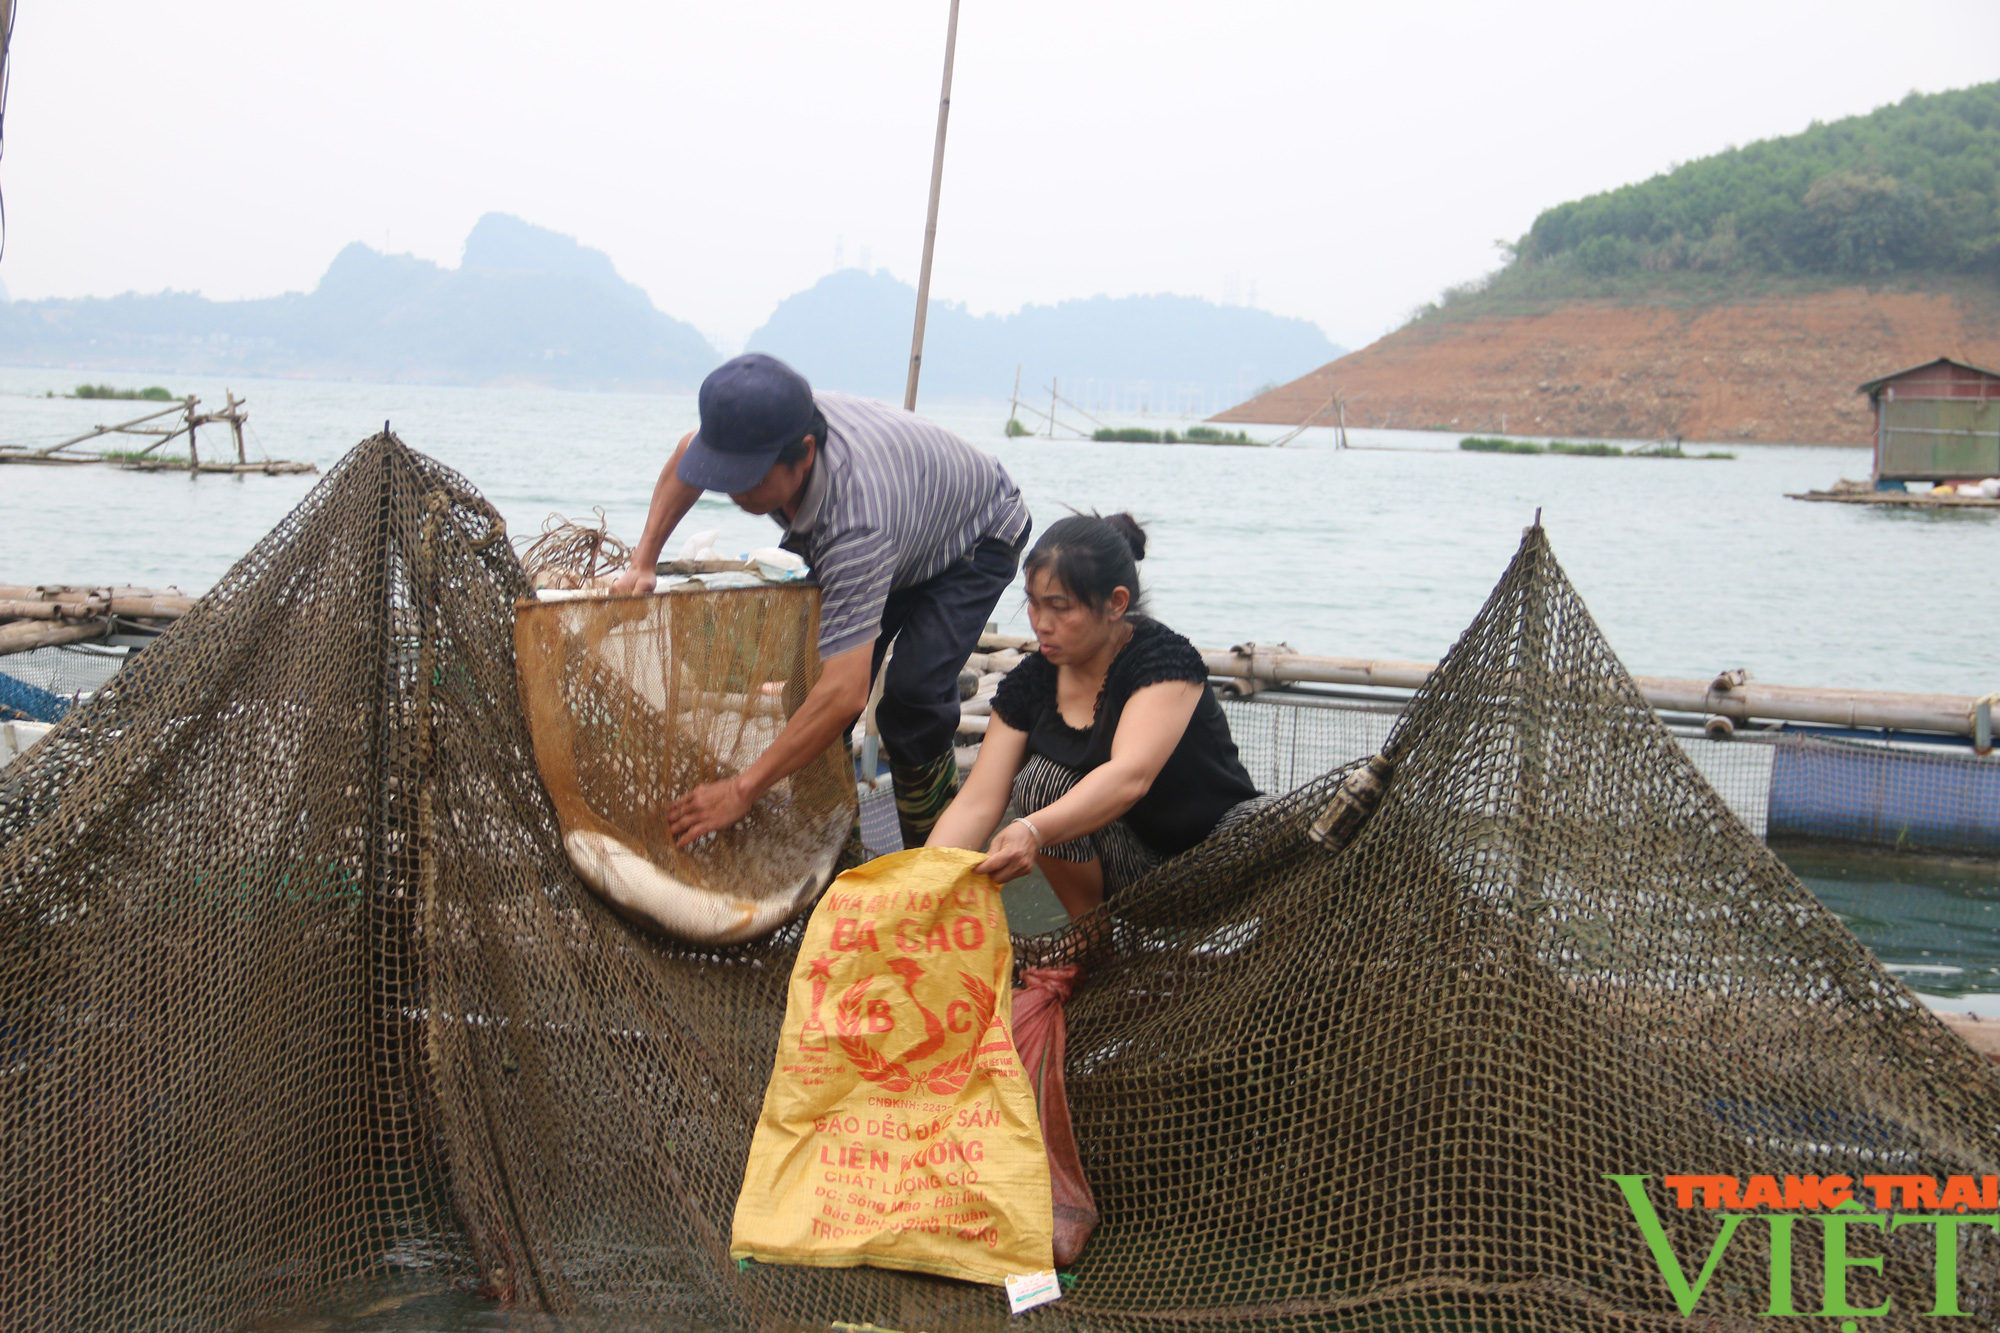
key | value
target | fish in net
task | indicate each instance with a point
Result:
(300, 998)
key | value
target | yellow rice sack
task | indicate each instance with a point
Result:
(898, 1129)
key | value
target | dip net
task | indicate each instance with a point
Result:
(633, 701)
(300, 1000)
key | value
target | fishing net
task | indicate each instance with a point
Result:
(633, 701)
(300, 996)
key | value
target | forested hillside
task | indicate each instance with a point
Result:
(1740, 297)
(1909, 189)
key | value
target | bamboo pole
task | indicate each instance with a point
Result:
(46, 592)
(1072, 403)
(106, 430)
(1727, 695)
(21, 603)
(930, 220)
(235, 424)
(1037, 412)
(1949, 714)
(26, 635)
(152, 606)
(1333, 400)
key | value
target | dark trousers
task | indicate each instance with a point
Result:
(936, 625)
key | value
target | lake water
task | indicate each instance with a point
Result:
(1384, 550)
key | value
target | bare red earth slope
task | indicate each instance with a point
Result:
(1780, 369)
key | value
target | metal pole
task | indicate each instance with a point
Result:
(930, 221)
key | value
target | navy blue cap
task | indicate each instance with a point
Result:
(751, 407)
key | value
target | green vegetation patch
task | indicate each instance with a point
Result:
(1015, 428)
(1493, 444)
(1674, 450)
(151, 394)
(1192, 435)
(1490, 444)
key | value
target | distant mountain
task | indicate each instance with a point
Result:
(525, 306)
(851, 331)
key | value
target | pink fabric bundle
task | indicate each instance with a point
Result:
(1040, 1037)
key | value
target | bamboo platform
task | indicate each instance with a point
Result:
(232, 416)
(272, 468)
(50, 615)
(1896, 500)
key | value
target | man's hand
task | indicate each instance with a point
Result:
(707, 809)
(638, 578)
(1010, 855)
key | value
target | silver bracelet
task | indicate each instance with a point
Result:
(1033, 832)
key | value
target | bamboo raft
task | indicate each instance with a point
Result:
(52, 615)
(1897, 499)
(149, 425)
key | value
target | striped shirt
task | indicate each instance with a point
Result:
(892, 500)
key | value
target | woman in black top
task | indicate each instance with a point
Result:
(1107, 740)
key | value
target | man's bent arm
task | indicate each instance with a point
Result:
(672, 499)
(830, 707)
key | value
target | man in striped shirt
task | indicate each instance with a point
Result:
(912, 534)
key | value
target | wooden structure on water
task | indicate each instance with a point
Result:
(161, 432)
(1938, 422)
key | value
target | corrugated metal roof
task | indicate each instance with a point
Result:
(1872, 385)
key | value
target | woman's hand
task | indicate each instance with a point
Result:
(1011, 854)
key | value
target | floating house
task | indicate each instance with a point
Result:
(1936, 422)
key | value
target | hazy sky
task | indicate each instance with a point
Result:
(1348, 160)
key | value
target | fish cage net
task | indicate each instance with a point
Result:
(299, 993)
(65, 671)
(1787, 786)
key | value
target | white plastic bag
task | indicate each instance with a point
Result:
(777, 564)
(701, 546)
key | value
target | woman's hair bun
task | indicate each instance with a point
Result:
(1092, 556)
(1128, 527)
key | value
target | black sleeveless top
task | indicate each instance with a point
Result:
(1201, 779)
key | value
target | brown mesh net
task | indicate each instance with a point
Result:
(298, 992)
